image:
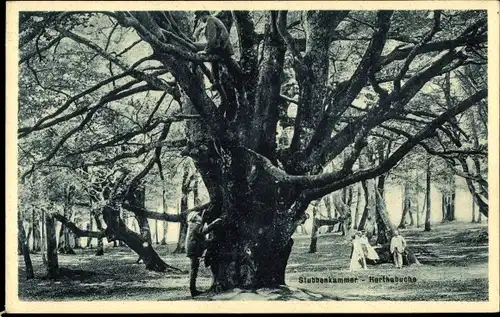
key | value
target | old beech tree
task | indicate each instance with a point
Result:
(260, 188)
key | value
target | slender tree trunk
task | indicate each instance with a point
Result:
(181, 241)
(427, 225)
(64, 245)
(77, 242)
(453, 200)
(28, 236)
(43, 242)
(90, 226)
(163, 201)
(382, 232)
(476, 196)
(25, 248)
(329, 207)
(473, 220)
(186, 180)
(156, 232)
(410, 214)
(402, 223)
(36, 231)
(417, 198)
(358, 206)
(100, 244)
(366, 210)
(314, 231)
(52, 259)
(143, 222)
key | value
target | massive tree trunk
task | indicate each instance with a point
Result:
(23, 242)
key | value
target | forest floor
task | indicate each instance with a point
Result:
(454, 259)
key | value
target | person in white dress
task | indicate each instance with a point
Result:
(358, 260)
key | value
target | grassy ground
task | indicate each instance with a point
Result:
(454, 268)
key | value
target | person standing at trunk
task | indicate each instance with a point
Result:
(368, 250)
(196, 244)
(398, 246)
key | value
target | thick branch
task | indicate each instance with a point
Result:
(77, 231)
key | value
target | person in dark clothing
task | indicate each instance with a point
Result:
(196, 244)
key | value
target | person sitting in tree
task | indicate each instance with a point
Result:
(398, 246)
(195, 245)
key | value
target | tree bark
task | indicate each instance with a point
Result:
(477, 196)
(100, 244)
(25, 248)
(181, 241)
(444, 206)
(52, 259)
(473, 209)
(406, 207)
(427, 225)
(387, 231)
(358, 205)
(412, 218)
(64, 234)
(89, 228)
(417, 198)
(36, 232)
(77, 242)
(314, 231)
(156, 232)
(165, 223)
(28, 236)
(380, 203)
(116, 229)
(366, 210)
(43, 243)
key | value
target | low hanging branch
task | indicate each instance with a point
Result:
(164, 216)
(77, 231)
